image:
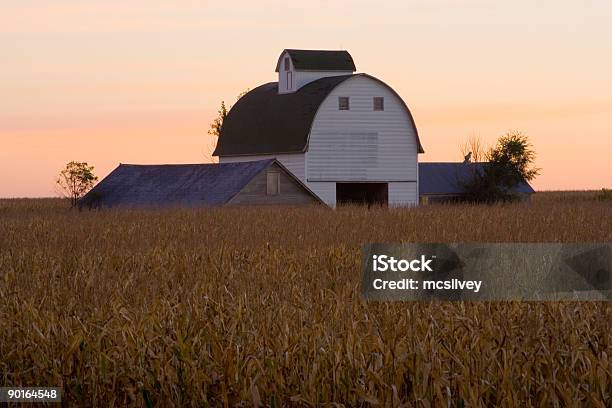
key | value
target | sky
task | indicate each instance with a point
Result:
(139, 81)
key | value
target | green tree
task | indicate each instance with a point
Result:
(217, 123)
(75, 180)
(509, 163)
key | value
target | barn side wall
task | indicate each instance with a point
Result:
(402, 193)
(326, 192)
(295, 162)
(290, 193)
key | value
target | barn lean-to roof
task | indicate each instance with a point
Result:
(266, 122)
(133, 185)
(319, 60)
(447, 178)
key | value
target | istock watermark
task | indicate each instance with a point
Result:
(384, 263)
(545, 271)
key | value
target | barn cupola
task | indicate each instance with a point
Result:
(296, 68)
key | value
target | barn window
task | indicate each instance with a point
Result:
(343, 103)
(273, 183)
(379, 103)
(287, 64)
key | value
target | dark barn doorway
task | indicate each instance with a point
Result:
(362, 193)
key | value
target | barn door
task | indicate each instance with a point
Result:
(362, 193)
(289, 80)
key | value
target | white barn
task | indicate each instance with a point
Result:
(346, 136)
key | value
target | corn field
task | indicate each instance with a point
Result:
(261, 307)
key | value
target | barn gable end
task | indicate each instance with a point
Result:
(290, 190)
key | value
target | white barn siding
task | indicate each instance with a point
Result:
(295, 163)
(362, 144)
(326, 192)
(402, 194)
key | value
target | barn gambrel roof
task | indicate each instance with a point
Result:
(266, 122)
(319, 60)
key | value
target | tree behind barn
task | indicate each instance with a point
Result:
(509, 163)
(474, 148)
(217, 125)
(76, 180)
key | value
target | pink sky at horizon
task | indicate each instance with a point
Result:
(139, 82)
